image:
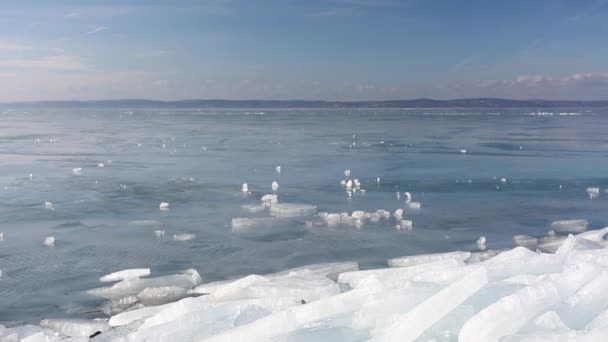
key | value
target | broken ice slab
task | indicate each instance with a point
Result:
(183, 237)
(570, 226)
(397, 277)
(75, 327)
(129, 317)
(572, 243)
(525, 241)
(126, 274)
(253, 208)
(410, 325)
(188, 279)
(118, 305)
(509, 314)
(598, 235)
(287, 321)
(586, 303)
(548, 327)
(412, 260)
(161, 295)
(292, 210)
(244, 224)
(550, 244)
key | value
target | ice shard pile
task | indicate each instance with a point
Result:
(517, 294)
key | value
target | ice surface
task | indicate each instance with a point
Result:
(126, 274)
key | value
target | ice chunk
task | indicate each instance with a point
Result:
(163, 206)
(48, 205)
(412, 260)
(292, 210)
(278, 169)
(159, 232)
(184, 237)
(408, 326)
(245, 188)
(550, 244)
(405, 225)
(132, 286)
(463, 151)
(161, 295)
(349, 184)
(570, 226)
(77, 171)
(49, 241)
(128, 317)
(414, 205)
(100, 165)
(398, 214)
(269, 200)
(275, 186)
(594, 235)
(396, 277)
(347, 173)
(116, 306)
(254, 208)
(244, 224)
(408, 197)
(289, 320)
(509, 314)
(126, 274)
(481, 243)
(525, 240)
(75, 327)
(588, 302)
(593, 192)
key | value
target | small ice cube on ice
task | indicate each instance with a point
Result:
(126, 274)
(49, 241)
(183, 237)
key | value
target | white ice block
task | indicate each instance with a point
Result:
(75, 327)
(525, 240)
(132, 286)
(570, 226)
(126, 274)
(292, 210)
(161, 295)
(426, 258)
(408, 326)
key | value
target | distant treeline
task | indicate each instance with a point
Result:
(249, 104)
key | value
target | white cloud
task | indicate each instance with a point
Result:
(13, 47)
(59, 62)
(96, 29)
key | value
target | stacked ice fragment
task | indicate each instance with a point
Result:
(512, 295)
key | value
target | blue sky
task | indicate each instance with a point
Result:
(296, 49)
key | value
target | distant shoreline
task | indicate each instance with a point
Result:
(478, 103)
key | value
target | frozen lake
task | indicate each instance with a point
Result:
(106, 171)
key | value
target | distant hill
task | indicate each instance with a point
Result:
(416, 103)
